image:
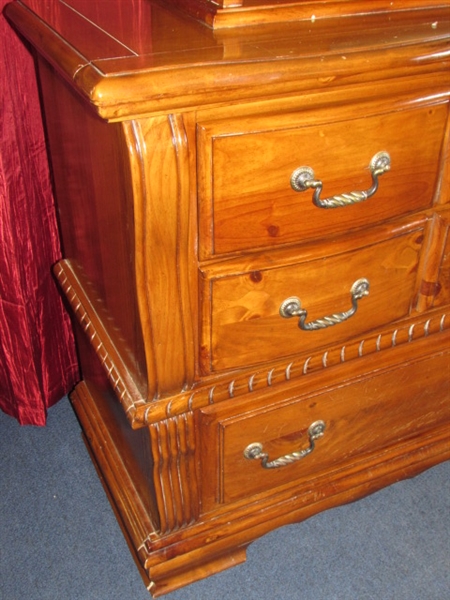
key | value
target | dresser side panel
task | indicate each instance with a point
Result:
(95, 209)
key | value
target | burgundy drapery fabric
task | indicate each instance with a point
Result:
(37, 356)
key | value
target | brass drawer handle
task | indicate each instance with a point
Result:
(255, 451)
(302, 179)
(291, 307)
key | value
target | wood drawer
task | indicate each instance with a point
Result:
(242, 324)
(245, 197)
(366, 414)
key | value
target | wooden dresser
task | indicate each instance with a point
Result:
(254, 204)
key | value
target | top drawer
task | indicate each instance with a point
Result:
(245, 167)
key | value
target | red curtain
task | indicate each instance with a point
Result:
(38, 362)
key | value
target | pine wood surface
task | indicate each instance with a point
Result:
(252, 206)
(172, 143)
(108, 50)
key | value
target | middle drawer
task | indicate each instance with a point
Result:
(242, 324)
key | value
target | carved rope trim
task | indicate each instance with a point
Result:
(116, 371)
(261, 379)
(141, 412)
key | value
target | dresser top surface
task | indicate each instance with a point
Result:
(93, 42)
(119, 36)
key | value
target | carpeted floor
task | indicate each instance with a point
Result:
(59, 539)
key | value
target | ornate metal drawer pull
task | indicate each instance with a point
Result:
(302, 179)
(255, 451)
(291, 307)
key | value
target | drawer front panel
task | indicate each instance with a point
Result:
(359, 417)
(243, 325)
(246, 199)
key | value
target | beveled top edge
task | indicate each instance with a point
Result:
(218, 67)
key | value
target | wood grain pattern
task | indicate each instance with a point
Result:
(207, 547)
(349, 413)
(251, 203)
(256, 381)
(173, 442)
(172, 147)
(245, 324)
(120, 87)
(108, 347)
(227, 14)
(161, 191)
(435, 284)
(95, 210)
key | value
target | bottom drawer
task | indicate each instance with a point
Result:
(359, 417)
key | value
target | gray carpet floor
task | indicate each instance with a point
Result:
(59, 538)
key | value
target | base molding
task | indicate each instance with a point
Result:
(218, 540)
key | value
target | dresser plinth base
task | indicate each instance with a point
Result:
(218, 540)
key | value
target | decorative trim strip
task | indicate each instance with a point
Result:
(119, 376)
(175, 478)
(141, 412)
(275, 375)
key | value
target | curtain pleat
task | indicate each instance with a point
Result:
(38, 362)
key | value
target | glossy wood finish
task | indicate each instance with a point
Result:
(250, 204)
(107, 50)
(245, 324)
(172, 146)
(226, 14)
(281, 425)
